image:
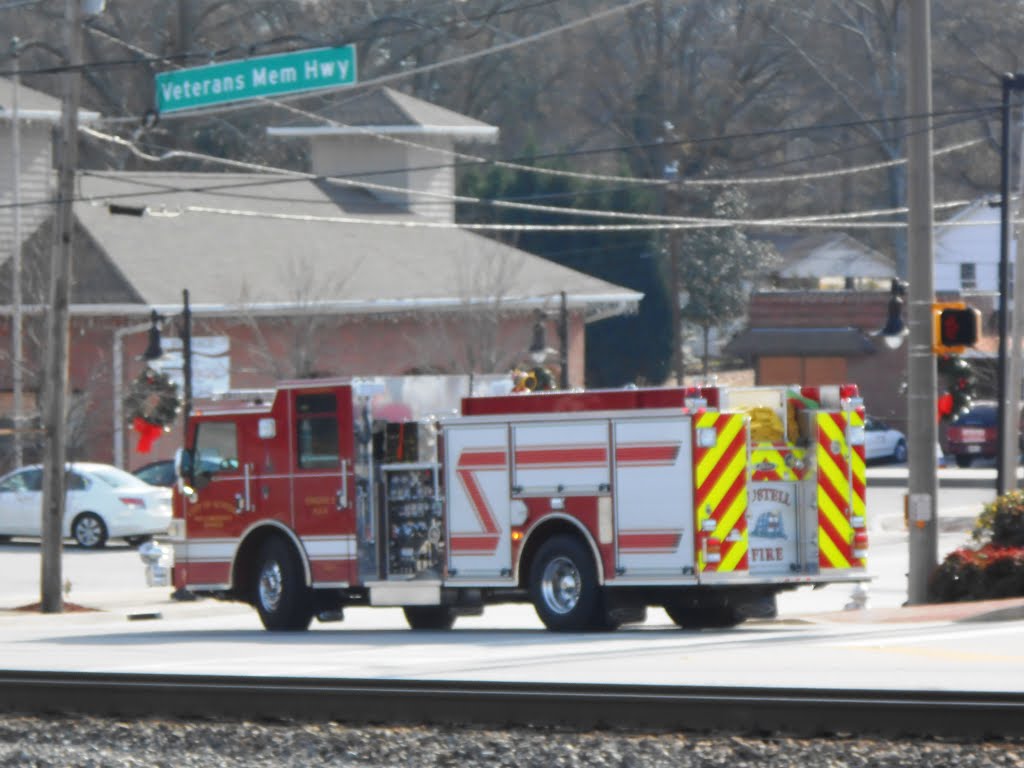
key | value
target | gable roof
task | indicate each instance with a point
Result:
(383, 110)
(829, 254)
(280, 245)
(33, 105)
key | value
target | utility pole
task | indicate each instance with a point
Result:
(58, 319)
(921, 376)
(1006, 464)
(668, 238)
(17, 351)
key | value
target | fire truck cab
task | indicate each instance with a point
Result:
(592, 506)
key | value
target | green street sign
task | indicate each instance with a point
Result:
(259, 77)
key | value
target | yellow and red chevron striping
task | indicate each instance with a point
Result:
(858, 481)
(720, 497)
(835, 531)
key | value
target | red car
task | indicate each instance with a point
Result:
(973, 434)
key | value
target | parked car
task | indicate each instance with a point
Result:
(103, 502)
(883, 442)
(973, 434)
(157, 473)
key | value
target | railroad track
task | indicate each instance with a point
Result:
(804, 711)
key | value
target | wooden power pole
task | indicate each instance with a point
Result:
(58, 320)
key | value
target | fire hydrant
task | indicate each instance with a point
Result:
(158, 559)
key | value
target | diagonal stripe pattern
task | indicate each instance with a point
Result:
(720, 492)
(837, 500)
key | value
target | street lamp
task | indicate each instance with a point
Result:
(539, 350)
(895, 330)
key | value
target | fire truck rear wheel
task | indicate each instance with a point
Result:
(282, 598)
(703, 613)
(564, 588)
(429, 616)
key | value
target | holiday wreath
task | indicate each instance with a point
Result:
(151, 404)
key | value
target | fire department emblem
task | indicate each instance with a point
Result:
(769, 526)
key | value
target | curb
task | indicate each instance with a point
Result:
(1010, 609)
(968, 478)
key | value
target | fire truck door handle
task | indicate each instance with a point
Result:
(341, 498)
(239, 503)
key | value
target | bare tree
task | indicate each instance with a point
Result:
(295, 350)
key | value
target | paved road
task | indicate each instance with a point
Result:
(814, 642)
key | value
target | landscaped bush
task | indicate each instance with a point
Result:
(992, 569)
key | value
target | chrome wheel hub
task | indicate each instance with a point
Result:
(270, 586)
(561, 585)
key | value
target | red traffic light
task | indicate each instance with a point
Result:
(945, 405)
(959, 327)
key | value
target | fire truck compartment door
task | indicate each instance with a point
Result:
(773, 528)
(477, 489)
(654, 497)
(563, 458)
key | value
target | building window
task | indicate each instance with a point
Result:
(968, 278)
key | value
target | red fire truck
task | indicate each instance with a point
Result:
(592, 505)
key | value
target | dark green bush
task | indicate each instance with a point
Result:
(1001, 522)
(992, 569)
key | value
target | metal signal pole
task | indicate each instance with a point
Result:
(921, 375)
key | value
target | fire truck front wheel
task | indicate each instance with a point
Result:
(282, 598)
(563, 586)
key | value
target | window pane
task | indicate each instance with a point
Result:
(318, 403)
(216, 446)
(318, 442)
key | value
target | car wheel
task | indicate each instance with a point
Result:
(899, 453)
(963, 460)
(564, 588)
(89, 531)
(429, 616)
(283, 600)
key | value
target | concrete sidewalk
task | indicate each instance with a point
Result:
(1010, 609)
(884, 476)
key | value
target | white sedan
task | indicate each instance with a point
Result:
(883, 442)
(103, 502)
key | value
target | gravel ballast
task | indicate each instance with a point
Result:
(91, 742)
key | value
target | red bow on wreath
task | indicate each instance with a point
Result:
(148, 433)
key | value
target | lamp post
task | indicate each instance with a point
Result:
(16, 331)
(154, 351)
(539, 350)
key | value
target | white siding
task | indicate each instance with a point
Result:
(36, 181)
(974, 241)
(408, 168)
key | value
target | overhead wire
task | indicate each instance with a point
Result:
(527, 206)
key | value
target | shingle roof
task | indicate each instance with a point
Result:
(806, 342)
(385, 108)
(33, 104)
(263, 240)
(829, 254)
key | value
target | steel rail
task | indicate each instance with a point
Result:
(797, 711)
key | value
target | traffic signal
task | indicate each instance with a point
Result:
(957, 327)
(959, 385)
